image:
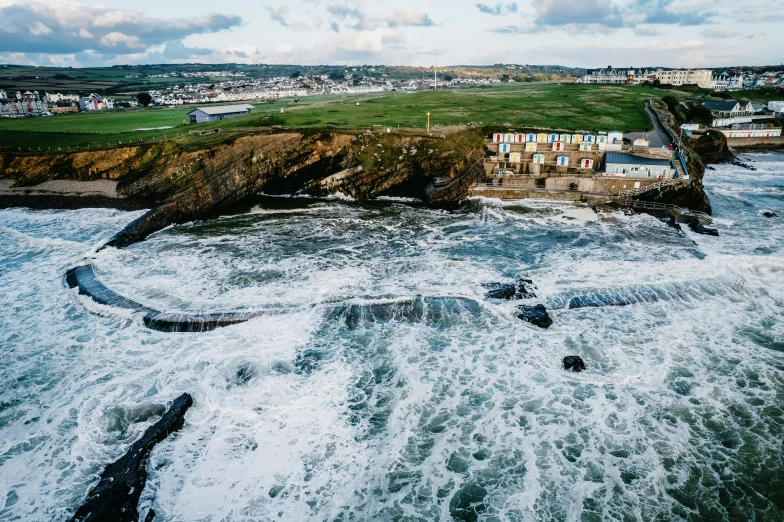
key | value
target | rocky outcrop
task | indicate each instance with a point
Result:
(573, 363)
(690, 195)
(182, 182)
(536, 315)
(116, 497)
(522, 289)
(711, 147)
(699, 228)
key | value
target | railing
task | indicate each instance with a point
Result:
(656, 186)
(585, 173)
(683, 162)
(544, 190)
(649, 205)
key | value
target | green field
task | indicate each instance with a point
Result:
(557, 106)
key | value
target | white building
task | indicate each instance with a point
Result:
(730, 108)
(3, 94)
(58, 97)
(720, 82)
(208, 114)
(677, 77)
(630, 166)
(775, 106)
(617, 76)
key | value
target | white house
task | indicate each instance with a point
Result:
(775, 106)
(730, 108)
(3, 94)
(207, 114)
(720, 82)
(632, 166)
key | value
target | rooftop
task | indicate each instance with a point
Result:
(224, 109)
(632, 159)
(726, 105)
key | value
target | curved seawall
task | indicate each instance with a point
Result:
(83, 277)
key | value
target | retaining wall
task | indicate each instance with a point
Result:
(739, 143)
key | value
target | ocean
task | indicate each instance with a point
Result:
(383, 385)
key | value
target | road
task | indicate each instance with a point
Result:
(658, 136)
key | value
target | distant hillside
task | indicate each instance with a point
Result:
(135, 78)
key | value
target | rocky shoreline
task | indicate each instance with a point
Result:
(180, 185)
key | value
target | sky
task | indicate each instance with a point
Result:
(574, 33)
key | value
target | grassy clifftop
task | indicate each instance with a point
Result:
(562, 106)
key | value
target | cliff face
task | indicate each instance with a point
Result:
(185, 185)
(711, 147)
(691, 195)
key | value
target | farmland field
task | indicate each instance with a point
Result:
(557, 106)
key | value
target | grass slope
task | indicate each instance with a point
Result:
(570, 106)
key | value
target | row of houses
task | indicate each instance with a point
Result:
(21, 105)
(705, 78)
(25, 104)
(533, 138)
(632, 76)
(770, 132)
(603, 154)
(615, 164)
(743, 119)
(738, 81)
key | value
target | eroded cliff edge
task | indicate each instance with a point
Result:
(182, 182)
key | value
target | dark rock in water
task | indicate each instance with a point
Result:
(770, 214)
(116, 497)
(738, 163)
(574, 363)
(667, 218)
(628, 212)
(699, 228)
(536, 315)
(150, 516)
(522, 289)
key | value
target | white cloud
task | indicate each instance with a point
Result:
(409, 17)
(39, 29)
(114, 39)
(638, 32)
(58, 27)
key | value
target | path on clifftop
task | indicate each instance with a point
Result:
(658, 136)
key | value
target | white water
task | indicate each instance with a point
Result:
(679, 411)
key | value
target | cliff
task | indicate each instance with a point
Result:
(183, 180)
(691, 195)
(183, 183)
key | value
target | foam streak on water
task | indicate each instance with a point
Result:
(387, 387)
